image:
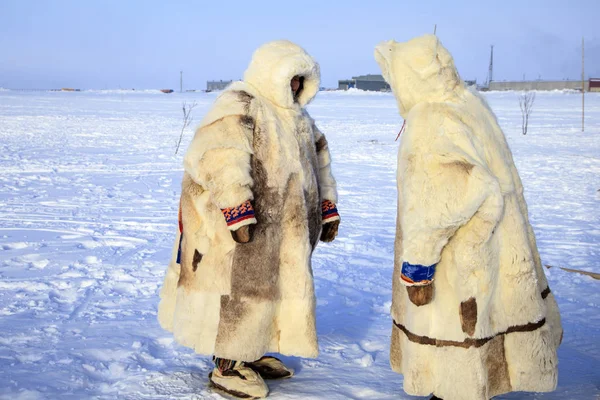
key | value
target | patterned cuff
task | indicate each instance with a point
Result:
(329, 211)
(417, 275)
(239, 216)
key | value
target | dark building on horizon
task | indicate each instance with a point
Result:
(539, 84)
(374, 83)
(216, 85)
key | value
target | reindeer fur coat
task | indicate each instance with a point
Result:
(240, 301)
(490, 323)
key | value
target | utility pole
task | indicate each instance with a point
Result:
(491, 70)
(582, 87)
(434, 29)
(180, 81)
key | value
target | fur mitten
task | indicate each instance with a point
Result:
(419, 282)
(330, 231)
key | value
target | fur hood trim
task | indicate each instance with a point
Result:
(273, 66)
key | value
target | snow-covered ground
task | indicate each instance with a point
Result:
(89, 188)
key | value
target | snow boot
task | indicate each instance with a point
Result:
(270, 368)
(239, 381)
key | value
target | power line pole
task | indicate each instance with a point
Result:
(491, 70)
(434, 29)
(582, 86)
(180, 81)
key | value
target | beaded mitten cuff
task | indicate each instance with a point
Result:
(329, 211)
(239, 216)
(417, 275)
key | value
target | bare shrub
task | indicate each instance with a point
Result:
(187, 120)
(526, 103)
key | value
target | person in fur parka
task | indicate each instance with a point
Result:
(473, 316)
(257, 195)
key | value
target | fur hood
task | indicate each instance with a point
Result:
(273, 66)
(420, 70)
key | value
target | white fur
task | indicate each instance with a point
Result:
(328, 184)
(222, 148)
(461, 206)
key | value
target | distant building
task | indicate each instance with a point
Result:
(539, 85)
(216, 85)
(594, 85)
(374, 83)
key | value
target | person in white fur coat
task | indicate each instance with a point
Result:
(257, 195)
(473, 316)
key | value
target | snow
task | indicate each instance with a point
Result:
(88, 209)
(124, 91)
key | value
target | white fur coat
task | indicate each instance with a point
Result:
(240, 301)
(492, 325)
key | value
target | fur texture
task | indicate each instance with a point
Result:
(240, 301)
(491, 326)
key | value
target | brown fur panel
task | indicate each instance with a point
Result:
(302, 209)
(461, 166)
(468, 342)
(497, 367)
(421, 295)
(191, 220)
(247, 122)
(396, 351)
(545, 292)
(468, 316)
(321, 144)
(259, 138)
(189, 264)
(197, 259)
(231, 318)
(255, 268)
(315, 217)
(308, 156)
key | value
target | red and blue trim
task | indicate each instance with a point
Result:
(239, 216)
(416, 274)
(329, 211)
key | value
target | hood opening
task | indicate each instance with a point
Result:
(300, 89)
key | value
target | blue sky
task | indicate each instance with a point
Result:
(144, 44)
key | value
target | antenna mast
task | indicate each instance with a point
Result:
(491, 70)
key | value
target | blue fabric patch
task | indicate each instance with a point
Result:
(179, 249)
(418, 273)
